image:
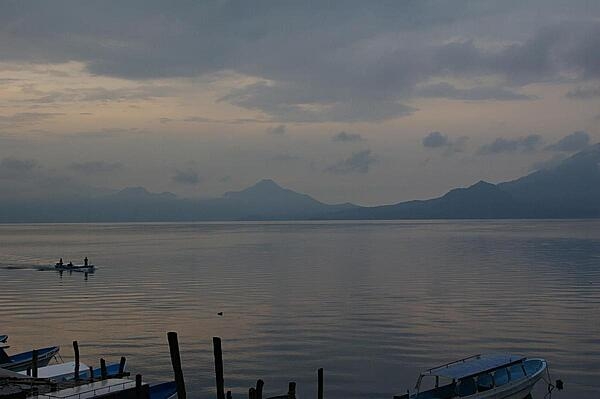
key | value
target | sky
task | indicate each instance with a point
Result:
(370, 102)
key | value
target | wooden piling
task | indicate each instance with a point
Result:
(176, 363)
(320, 384)
(138, 386)
(252, 393)
(91, 374)
(259, 388)
(292, 390)
(76, 350)
(229, 395)
(34, 363)
(219, 368)
(103, 371)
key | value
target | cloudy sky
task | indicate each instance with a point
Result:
(369, 102)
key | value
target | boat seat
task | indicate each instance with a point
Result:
(443, 392)
(467, 387)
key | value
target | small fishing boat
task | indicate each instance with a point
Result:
(75, 268)
(3, 338)
(480, 377)
(23, 361)
(113, 388)
(66, 371)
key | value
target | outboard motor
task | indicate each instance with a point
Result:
(559, 385)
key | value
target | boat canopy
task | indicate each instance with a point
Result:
(473, 365)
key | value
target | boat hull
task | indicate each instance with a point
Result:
(518, 389)
(23, 361)
(81, 269)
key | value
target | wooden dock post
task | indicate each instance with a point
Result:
(252, 393)
(176, 362)
(122, 366)
(34, 363)
(91, 374)
(229, 395)
(103, 371)
(320, 385)
(259, 388)
(219, 368)
(76, 350)
(292, 390)
(138, 386)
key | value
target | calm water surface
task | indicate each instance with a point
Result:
(372, 303)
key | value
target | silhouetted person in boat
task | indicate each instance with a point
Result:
(70, 264)
(60, 262)
(85, 261)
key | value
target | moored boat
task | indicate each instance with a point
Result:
(63, 372)
(3, 338)
(23, 361)
(480, 377)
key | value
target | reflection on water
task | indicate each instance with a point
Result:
(372, 303)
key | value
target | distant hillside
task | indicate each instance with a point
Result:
(571, 189)
(265, 200)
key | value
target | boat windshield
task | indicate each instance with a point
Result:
(516, 372)
(532, 366)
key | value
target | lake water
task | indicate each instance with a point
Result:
(373, 303)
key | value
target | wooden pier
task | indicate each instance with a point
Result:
(118, 386)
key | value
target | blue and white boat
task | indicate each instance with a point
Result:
(491, 376)
(63, 372)
(23, 361)
(114, 388)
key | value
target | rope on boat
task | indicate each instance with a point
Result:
(551, 386)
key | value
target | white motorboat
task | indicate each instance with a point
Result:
(491, 376)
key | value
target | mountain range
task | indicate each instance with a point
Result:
(570, 189)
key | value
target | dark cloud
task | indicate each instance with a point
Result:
(440, 140)
(584, 93)
(436, 140)
(313, 61)
(346, 137)
(358, 162)
(286, 157)
(446, 90)
(95, 167)
(288, 102)
(503, 145)
(187, 177)
(236, 121)
(572, 142)
(97, 94)
(26, 118)
(277, 130)
(14, 166)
